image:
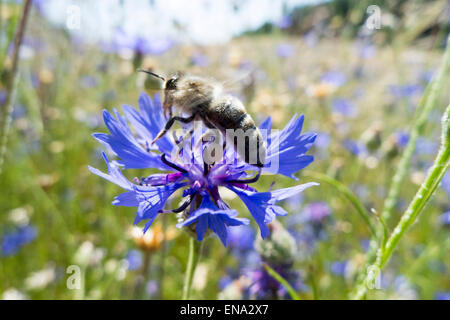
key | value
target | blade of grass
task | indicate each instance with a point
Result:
(426, 105)
(347, 193)
(11, 84)
(282, 281)
(422, 197)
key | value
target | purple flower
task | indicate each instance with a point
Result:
(311, 39)
(134, 259)
(426, 146)
(200, 60)
(3, 95)
(366, 51)
(14, 240)
(445, 218)
(138, 44)
(88, 81)
(186, 169)
(356, 148)
(442, 296)
(285, 50)
(285, 22)
(317, 211)
(152, 287)
(264, 286)
(339, 268)
(401, 138)
(402, 91)
(242, 238)
(334, 78)
(344, 107)
(323, 140)
(445, 183)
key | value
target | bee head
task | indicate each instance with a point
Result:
(171, 84)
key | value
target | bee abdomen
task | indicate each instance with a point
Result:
(250, 146)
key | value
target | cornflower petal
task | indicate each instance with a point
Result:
(262, 204)
(287, 149)
(208, 215)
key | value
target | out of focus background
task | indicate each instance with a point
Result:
(356, 69)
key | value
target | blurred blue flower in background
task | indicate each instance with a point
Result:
(426, 146)
(285, 50)
(138, 44)
(445, 218)
(355, 147)
(200, 60)
(339, 267)
(344, 107)
(407, 90)
(134, 259)
(366, 51)
(445, 183)
(12, 242)
(317, 211)
(442, 296)
(88, 81)
(285, 22)
(334, 78)
(401, 138)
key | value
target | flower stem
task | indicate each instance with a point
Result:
(423, 195)
(141, 281)
(195, 248)
(427, 104)
(346, 192)
(282, 281)
(11, 84)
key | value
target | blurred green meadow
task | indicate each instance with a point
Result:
(358, 89)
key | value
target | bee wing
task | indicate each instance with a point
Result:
(237, 81)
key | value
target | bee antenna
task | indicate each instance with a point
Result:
(152, 74)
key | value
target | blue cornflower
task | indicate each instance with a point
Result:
(200, 60)
(426, 146)
(401, 138)
(141, 45)
(264, 286)
(285, 50)
(344, 107)
(14, 240)
(339, 268)
(285, 22)
(402, 91)
(445, 183)
(204, 210)
(134, 259)
(445, 218)
(335, 78)
(442, 295)
(356, 148)
(317, 211)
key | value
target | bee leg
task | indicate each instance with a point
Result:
(172, 165)
(210, 125)
(181, 208)
(169, 125)
(180, 144)
(207, 134)
(247, 181)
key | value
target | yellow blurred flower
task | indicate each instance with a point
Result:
(320, 90)
(153, 239)
(235, 57)
(46, 76)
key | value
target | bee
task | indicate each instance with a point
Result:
(205, 99)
